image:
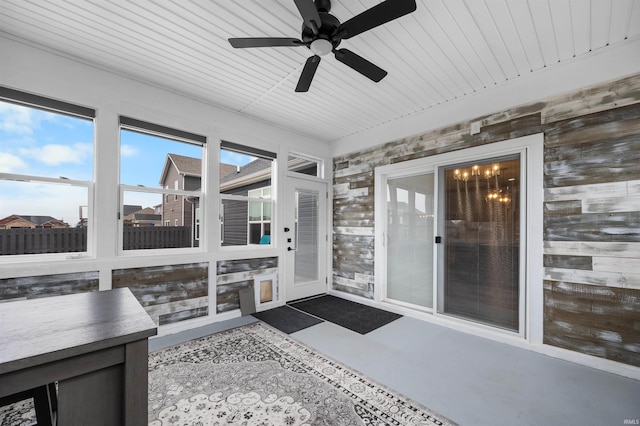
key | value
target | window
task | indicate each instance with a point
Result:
(153, 159)
(260, 216)
(246, 195)
(304, 165)
(46, 175)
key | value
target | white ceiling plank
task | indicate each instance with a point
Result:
(600, 23)
(503, 20)
(581, 26)
(493, 41)
(545, 31)
(634, 20)
(621, 13)
(527, 33)
(475, 45)
(560, 12)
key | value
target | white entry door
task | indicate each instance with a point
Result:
(305, 238)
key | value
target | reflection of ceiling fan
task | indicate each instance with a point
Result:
(322, 33)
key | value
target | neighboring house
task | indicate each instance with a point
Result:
(20, 221)
(241, 223)
(128, 209)
(143, 217)
(181, 173)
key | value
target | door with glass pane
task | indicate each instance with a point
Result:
(409, 240)
(480, 251)
(305, 238)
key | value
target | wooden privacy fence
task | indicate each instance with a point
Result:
(69, 240)
(153, 237)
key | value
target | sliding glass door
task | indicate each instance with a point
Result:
(480, 230)
(451, 233)
(410, 240)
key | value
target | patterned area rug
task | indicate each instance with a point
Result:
(256, 375)
(19, 414)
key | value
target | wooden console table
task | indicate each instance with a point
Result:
(94, 345)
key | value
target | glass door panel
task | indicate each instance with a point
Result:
(410, 239)
(306, 231)
(481, 241)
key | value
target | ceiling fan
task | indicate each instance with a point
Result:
(323, 32)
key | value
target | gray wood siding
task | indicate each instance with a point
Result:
(169, 293)
(591, 212)
(236, 219)
(234, 275)
(35, 287)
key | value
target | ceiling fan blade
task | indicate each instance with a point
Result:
(377, 15)
(309, 13)
(307, 74)
(360, 64)
(265, 42)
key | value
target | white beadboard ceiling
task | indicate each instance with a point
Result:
(445, 50)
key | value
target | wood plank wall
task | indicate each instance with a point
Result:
(234, 275)
(169, 293)
(591, 211)
(35, 287)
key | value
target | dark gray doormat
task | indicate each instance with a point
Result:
(287, 319)
(354, 316)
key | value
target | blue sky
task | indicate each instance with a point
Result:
(39, 143)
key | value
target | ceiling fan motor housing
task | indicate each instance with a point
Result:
(327, 31)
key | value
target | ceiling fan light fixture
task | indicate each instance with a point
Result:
(321, 47)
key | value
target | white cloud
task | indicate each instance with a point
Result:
(128, 150)
(9, 163)
(22, 120)
(56, 154)
(236, 158)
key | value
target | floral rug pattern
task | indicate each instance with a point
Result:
(256, 375)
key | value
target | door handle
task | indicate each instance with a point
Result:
(289, 249)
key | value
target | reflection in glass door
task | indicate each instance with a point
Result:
(481, 241)
(306, 236)
(410, 240)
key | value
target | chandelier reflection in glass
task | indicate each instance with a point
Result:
(495, 193)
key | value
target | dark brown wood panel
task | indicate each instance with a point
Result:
(228, 295)
(568, 262)
(554, 208)
(611, 227)
(509, 129)
(183, 315)
(170, 293)
(609, 160)
(600, 321)
(34, 287)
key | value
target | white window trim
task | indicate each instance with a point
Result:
(531, 149)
